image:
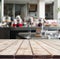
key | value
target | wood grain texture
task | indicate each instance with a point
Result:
(24, 49)
(37, 50)
(30, 49)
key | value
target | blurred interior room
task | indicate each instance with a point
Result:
(40, 18)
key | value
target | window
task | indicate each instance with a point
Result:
(8, 9)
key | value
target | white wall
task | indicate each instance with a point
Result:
(41, 9)
(25, 1)
(56, 6)
(34, 14)
(24, 11)
(0, 8)
(55, 10)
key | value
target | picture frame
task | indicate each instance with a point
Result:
(32, 7)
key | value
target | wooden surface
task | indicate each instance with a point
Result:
(30, 47)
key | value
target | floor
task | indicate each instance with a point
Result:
(46, 48)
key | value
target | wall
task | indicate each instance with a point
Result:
(41, 8)
(25, 1)
(55, 9)
(34, 14)
(25, 8)
(56, 6)
(0, 9)
(24, 11)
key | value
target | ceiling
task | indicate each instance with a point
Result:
(26, 1)
(49, 1)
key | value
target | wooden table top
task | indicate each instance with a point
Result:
(30, 47)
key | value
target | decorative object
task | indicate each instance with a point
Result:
(38, 32)
(32, 7)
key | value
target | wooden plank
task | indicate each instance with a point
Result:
(52, 44)
(24, 49)
(12, 49)
(51, 50)
(37, 50)
(56, 42)
(6, 44)
(49, 47)
(52, 40)
(2, 41)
